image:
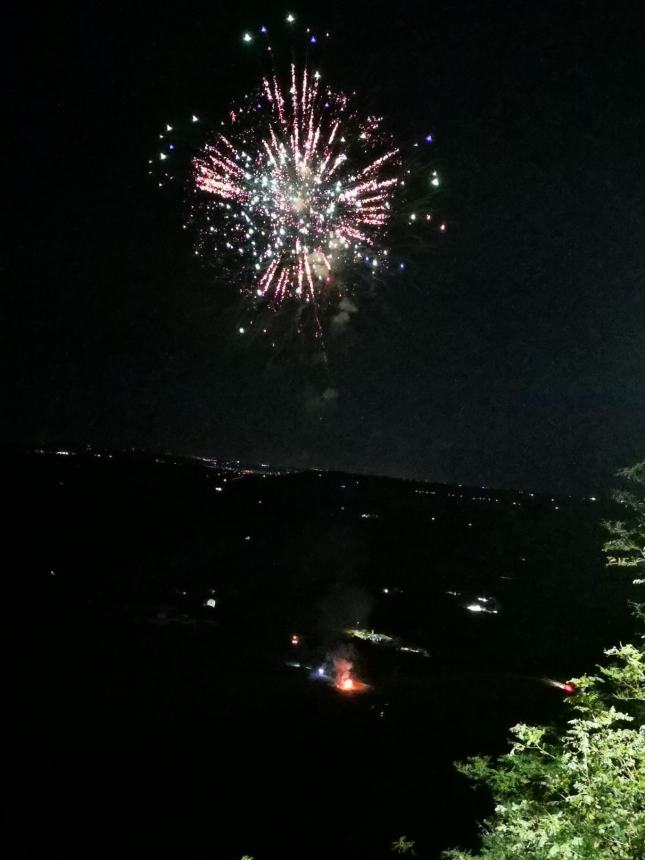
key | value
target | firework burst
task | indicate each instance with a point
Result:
(296, 193)
(297, 189)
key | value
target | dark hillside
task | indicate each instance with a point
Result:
(193, 730)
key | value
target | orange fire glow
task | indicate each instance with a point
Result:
(344, 680)
(351, 685)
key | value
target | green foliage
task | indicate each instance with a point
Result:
(575, 795)
(579, 793)
(626, 546)
(402, 845)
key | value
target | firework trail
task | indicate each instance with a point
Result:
(569, 688)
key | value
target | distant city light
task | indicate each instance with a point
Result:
(481, 606)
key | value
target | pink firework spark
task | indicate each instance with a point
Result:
(298, 187)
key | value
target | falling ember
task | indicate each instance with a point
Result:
(298, 186)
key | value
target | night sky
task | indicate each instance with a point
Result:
(512, 354)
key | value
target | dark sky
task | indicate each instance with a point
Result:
(513, 355)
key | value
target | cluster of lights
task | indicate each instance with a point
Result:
(248, 37)
(481, 605)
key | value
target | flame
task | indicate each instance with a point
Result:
(351, 685)
(344, 681)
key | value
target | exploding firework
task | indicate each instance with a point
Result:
(297, 189)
